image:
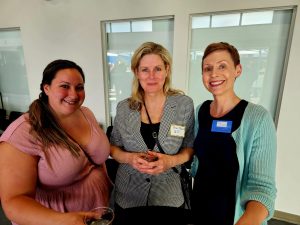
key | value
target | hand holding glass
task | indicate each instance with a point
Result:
(148, 157)
(106, 216)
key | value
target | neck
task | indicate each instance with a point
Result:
(154, 99)
(155, 105)
(222, 105)
(69, 119)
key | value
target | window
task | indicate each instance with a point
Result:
(262, 39)
(120, 40)
(13, 78)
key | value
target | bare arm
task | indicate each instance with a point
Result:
(255, 214)
(120, 155)
(132, 158)
(166, 162)
(18, 177)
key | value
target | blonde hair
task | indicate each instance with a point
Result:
(137, 94)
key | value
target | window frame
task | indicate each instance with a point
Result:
(282, 79)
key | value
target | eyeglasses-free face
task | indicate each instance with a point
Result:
(152, 73)
(66, 92)
(219, 72)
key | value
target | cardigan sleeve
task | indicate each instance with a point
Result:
(260, 183)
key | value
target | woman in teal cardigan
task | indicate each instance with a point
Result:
(235, 147)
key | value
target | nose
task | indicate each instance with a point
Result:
(152, 73)
(214, 72)
(73, 92)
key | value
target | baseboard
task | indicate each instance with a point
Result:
(287, 217)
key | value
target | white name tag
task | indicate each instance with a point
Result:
(222, 124)
(177, 130)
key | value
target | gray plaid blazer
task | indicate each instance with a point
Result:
(133, 188)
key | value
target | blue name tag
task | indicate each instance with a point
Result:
(221, 126)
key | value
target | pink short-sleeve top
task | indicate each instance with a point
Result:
(66, 182)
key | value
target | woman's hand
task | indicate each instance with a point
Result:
(246, 221)
(138, 161)
(76, 218)
(159, 163)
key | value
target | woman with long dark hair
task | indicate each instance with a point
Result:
(52, 158)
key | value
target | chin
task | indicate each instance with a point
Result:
(72, 108)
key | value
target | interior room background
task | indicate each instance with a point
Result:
(88, 32)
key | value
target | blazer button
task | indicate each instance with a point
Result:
(148, 180)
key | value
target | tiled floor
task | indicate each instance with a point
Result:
(4, 221)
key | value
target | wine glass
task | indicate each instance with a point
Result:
(106, 216)
(148, 157)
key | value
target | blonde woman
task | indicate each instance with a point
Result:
(145, 177)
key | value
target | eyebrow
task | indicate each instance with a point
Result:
(66, 82)
(223, 60)
(160, 65)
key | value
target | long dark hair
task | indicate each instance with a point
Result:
(44, 125)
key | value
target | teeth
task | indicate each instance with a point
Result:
(70, 102)
(214, 83)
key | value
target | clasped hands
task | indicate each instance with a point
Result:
(151, 162)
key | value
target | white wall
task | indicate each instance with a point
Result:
(70, 29)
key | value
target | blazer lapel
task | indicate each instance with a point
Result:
(167, 118)
(134, 126)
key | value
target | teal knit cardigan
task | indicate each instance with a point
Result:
(256, 152)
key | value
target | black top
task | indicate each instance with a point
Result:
(146, 131)
(214, 189)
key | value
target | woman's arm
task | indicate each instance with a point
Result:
(166, 161)
(259, 192)
(186, 151)
(120, 155)
(132, 158)
(255, 214)
(18, 178)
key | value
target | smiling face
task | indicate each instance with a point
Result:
(219, 73)
(152, 73)
(66, 92)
